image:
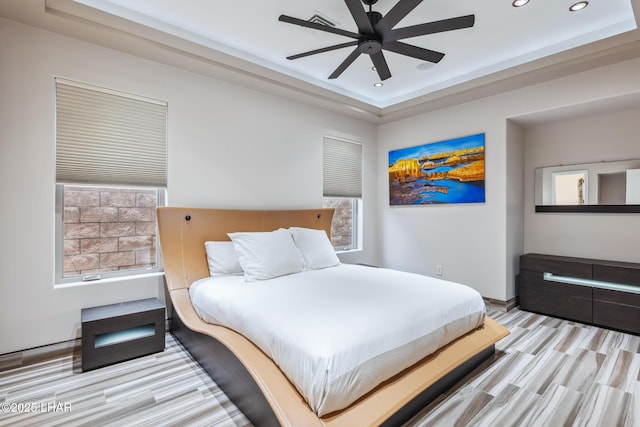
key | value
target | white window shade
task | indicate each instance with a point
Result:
(107, 137)
(342, 166)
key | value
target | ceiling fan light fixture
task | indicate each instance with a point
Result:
(578, 6)
(369, 47)
(519, 3)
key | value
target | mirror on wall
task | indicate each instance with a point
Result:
(589, 187)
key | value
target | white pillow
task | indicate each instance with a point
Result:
(222, 258)
(264, 255)
(315, 247)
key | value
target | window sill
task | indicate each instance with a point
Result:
(108, 280)
(348, 251)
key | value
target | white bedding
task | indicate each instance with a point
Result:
(338, 332)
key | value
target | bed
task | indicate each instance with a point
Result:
(243, 368)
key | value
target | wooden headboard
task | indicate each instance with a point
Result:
(183, 232)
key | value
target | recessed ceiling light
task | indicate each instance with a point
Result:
(379, 84)
(519, 3)
(374, 68)
(578, 6)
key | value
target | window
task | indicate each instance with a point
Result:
(342, 190)
(111, 174)
(344, 227)
(108, 230)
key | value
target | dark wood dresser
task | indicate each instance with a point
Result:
(603, 293)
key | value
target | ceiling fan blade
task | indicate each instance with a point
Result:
(413, 51)
(381, 65)
(431, 27)
(328, 29)
(324, 49)
(396, 14)
(352, 57)
(360, 16)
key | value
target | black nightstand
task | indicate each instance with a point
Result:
(118, 332)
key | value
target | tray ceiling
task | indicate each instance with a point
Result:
(503, 36)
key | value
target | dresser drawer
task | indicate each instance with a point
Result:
(555, 299)
(572, 267)
(618, 310)
(536, 282)
(617, 297)
(616, 274)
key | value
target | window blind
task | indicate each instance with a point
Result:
(108, 137)
(342, 167)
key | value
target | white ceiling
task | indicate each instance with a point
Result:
(243, 43)
(502, 37)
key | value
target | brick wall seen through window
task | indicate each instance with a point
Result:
(342, 226)
(108, 229)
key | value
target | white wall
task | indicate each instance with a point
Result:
(229, 147)
(515, 203)
(591, 139)
(463, 238)
(475, 243)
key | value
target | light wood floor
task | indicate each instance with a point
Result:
(548, 372)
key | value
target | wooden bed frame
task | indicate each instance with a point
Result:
(247, 375)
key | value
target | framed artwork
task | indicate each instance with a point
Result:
(450, 171)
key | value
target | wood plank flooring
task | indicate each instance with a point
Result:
(548, 372)
(164, 389)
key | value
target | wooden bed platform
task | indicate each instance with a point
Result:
(248, 376)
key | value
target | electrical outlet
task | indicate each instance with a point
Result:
(438, 270)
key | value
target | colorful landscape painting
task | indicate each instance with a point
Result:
(449, 171)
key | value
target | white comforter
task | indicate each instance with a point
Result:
(338, 332)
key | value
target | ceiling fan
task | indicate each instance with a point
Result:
(376, 33)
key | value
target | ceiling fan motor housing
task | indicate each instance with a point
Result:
(369, 45)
